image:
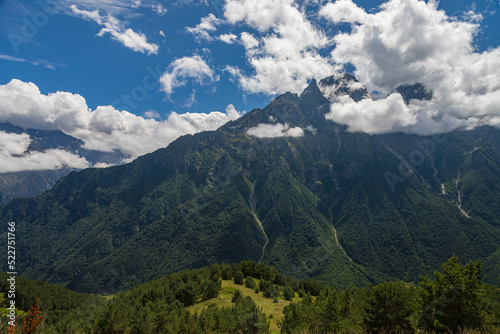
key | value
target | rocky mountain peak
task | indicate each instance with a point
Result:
(416, 91)
(342, 84)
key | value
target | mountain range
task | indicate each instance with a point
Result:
(281, 185)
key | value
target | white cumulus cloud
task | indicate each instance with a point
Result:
(371, 116)
(412, 41)
(180, 69)
(228, 38)
(284, 54)
(232, 113)
(343, 11)
(102, 129)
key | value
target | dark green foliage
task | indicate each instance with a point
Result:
(160, 307)
(238, 278)
(271, 291)
(454, 300)
(250, 282)
(61, 307)
(189, 293)
(288, 292)
(237, 295)
(227, 272)
(492, 305)
(212, 287)
(321, 315)
(389, 308)
(152, 308)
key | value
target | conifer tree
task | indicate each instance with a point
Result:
(238, 277)
(454, 299)
(389, 308)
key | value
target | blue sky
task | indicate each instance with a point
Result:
(159, 60)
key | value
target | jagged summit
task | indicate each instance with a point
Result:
(343, 84)
(414, 92)
(310, 107)
(346, 84)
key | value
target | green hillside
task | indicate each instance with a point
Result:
(254, 298)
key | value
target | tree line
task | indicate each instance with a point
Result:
(452, 300)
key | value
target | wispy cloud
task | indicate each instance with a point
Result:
(159, 9)
(42, 62)
(207, 25)
(113, 7)
(111, 25)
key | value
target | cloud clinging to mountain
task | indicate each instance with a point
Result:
(15, 156)
(402, 42)
(411, 41)
(264, 130)
(102, 129)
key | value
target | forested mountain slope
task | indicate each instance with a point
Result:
(314, 201)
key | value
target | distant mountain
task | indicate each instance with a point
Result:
(282, 185)
(32, 183)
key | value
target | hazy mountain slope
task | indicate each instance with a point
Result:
(28, 184)
(32, 183)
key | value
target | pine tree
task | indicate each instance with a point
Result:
(250, 282)
(288, 293)
(238, 278)
(237, 296)
(389, 308)
(453, 300)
